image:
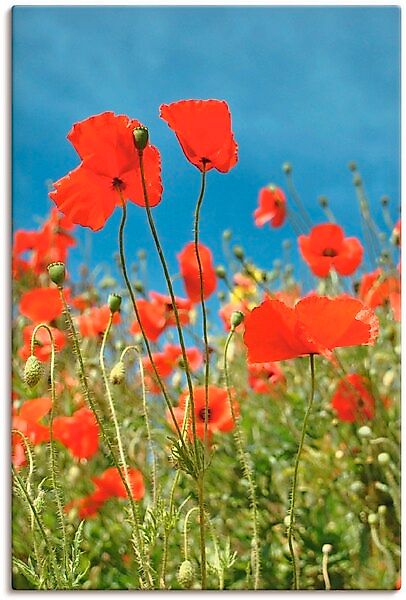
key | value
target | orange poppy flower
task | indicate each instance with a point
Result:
(189, 270)
(27, 420)
(42, 348)
(203, 129)
(272, 207)
(352, 400)
(326, 248)
(265, 378)
(108, 485)
(79, 433)
(315, 325)
(219, 413)
(376, 288)
(157, 314)
(110, 164)
(166, 361)
(41, 304)
(94, 321)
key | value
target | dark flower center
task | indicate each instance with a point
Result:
(202, 414)
(118, 184)
(329, 252)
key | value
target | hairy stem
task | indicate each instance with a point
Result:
(246, 470)
(291, 526)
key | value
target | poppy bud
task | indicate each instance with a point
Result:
(141, 137)
(365, 431)
(287, 168)
(286, 244)
(186, 574)
(33, 371)
(221, 296)
(227, 235)
(238, 252)
(117, 373)
(372, 519)
(382, 509)
(114, 302)
(384, 200)
(323, 201)
(138, 286)
(352, 166)
(236, 318)
(142, 255)
(383, 458)
(221, 272)
(357, 181)
(327, 548)
(57, 273)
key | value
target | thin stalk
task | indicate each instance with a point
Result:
(202, 519)
(44, 536)
(154, 477)
(167, 276)
(185, 532)
(324, 568)
(134, 505)
(302, 212)
(294, 482)
(87, 393)
(255, 556)
(137, 315)
(56, 489)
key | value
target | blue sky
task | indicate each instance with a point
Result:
(315, 86)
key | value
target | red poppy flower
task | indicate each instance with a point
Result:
(108, 485)
(265, 378)
(41, 304)
(157, 314)
(110, 164)
(189, 269)
(27, 420)
(42, 348)
(315, 325)
(219, 413)
(166, 361)
(272, 207)
(94, 321)
(352, 400)
(376, 288)
(327, 248)
(79, 433)
(203, 129)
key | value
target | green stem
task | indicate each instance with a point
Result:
(246, 470)
(294, 482)
(185, 532)
(154, 477)
(202, 519)
(87, 394)
(56, 488)
(137, 315)
(167, 276)
(140, 551)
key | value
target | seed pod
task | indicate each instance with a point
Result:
(57, 273)
(117, 373)
(236, 318)
(186, 574)
(33, 371)
(114, 302)
(140, 137)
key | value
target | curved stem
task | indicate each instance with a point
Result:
(294, 482)
(86, 391)
(56, 489)
(161, 255)
(154, 477)
(137, 315)
(246, 470)
(140, 551)
(185, 532)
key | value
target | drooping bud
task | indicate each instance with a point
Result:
(365, 431)
(114, 302)
(138, 286)
(221, 296)
(33, 371)
(236, 319)
(227, 235)
(220, 272)
(384, 200)
(327, 548)
(357, 181)
(287, 168)
(372, 519)
(141, 137)
(117, 373)
(238, 252)
(352, 165)
(323, 201)
(186, 574)
(383, 458)
(57, 273)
